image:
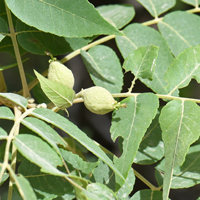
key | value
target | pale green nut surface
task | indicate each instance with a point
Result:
(98, 100)
(61, 74)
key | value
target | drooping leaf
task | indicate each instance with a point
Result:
(39, 152)
(4, 177)
(58, 93)
(180, 35)
(104, 68)
(117, 15)
(24, 187)
(3, 134)
(179, 122)
(141, 62)
(72, 130)
(156, 7)
(125, 190)
(99, 191)
(42, 183)
(185, 67)
(131, 123)
(78, 162)
(37, 42)
(3, 28)
(151, 148)
(11, 99)
(6, 113)
(188, 174)
(147, 195)
(192, 2)
(137, 35)
(65, 18)
(43, 130)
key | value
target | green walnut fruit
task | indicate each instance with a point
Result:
(61, 74)
(99, 100)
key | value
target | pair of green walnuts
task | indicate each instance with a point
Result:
(96, 99)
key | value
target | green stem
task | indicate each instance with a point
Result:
(14, 153)
(17, 53)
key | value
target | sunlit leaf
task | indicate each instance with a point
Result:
(180, 35)
(117, 15)
(3, 134)
(131, 124)
(54, 18)
(104, 68)
(192, 2)
(179, 121)
(38, 152)
(58, 93)
(141, 62)
(156, 7)
(137, 35)
(185, 67)
(6, 113)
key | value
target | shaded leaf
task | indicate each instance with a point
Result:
(58, 93)
(188, 174)
(99, 191)
(155, 7)
(137, 35)
(179, 122)
(4, 177)
(10, 66)
(3, 134)
(104, 68)
(72, 130)
(141, 62)
(43, 130)
(6, 113)
(11, 99)
(78, 162)
(185, 67)
(192, 2)
(54, 18)
(117, 15)
(180, 35)
(3, 28)
(131, 123)
(37, 42)
(24, 187)
(151, 148)
(147, 195)
(38, 152)
(42, 183)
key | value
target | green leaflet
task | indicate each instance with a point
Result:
(39, 152)
(6, 113)
(131, 123)
(151, 148)
(58, 93)
(137, 35)
(184, 67)
(72, 130)
(53, 18)
(179, 122)
(13, 99)
(180, 35)
(55, 185)
(104, 68)
(3, 28)
(3, 134)
(141, 62)
(192, 2)
(24, 187)
(117, 15)
(188, 174)
(147, 195)
(156, 7)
